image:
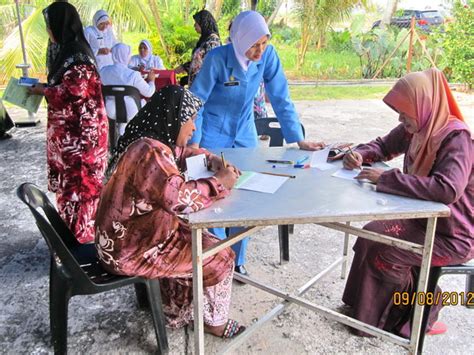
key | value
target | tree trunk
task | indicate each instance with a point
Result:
(274, 13)
(218, 9)
(159, 26)
(388, 13)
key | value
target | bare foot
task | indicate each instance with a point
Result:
(217, 330)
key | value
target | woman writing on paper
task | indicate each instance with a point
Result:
(139, 229)
(120, 74)
(77, 122)
(438, 167)
(228, 82)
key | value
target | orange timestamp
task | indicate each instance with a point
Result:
(433, 299)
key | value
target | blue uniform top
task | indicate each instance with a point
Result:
(226, 119)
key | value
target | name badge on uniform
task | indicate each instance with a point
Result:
(232, 82)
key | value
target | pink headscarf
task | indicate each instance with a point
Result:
(426, 97)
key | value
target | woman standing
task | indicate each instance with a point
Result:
(228, 82)
(437, 167)
(139, 229)
(206, 26)
(77, 123)
(101, 38)
(145, 60)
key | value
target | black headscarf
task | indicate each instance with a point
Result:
(208, 25)
(66, 26)
(161, 119)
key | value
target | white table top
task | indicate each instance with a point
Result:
(314, 196)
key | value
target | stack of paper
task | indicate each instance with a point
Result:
(18, 95)
(197, 167)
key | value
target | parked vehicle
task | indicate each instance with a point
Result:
(424, 19)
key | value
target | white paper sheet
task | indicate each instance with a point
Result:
(346, 174)
(197, 167)
(319, 159)
(253, 181)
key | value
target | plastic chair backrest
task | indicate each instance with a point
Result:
(119, 92)
(58, 236)
(270, 126)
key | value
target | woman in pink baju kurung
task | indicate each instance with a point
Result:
(77, 122)
(438, 167)
(139, 229)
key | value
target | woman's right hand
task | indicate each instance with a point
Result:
(151, 76)
(179, 70)
(227, 177)
(352, 160)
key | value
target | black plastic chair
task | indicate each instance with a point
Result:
(119, 92)
(270, 126)
(435, 273)
(75, 270)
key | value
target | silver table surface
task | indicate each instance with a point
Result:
(313, 196)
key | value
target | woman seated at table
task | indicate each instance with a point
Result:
(145, 60)
(438, 166)
(120, 74)
(139, 231)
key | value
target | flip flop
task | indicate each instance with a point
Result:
(437, 328)
(232, 329)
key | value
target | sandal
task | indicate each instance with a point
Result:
(437, 328)
(232, 329)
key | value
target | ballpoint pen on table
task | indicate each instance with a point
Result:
(291, 162)
(275, 174)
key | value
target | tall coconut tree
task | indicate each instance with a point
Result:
(316, 16)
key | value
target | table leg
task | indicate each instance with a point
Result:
(284, 240)
(345, 252)
(198, 291)
(422, 284)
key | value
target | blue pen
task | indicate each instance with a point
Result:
(302, 160)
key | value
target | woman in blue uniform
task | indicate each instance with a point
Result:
(227, 83)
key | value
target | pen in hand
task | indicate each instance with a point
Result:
(224, 164)
(359, 164)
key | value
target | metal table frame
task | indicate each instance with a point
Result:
(339, 223)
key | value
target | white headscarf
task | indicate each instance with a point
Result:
(247, 28)
(149, 56)
(99, 17)
(121, 54)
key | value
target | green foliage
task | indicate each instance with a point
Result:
(266, 7)
(282, 33)
(458, 44)
(339, 40)
(375, 47)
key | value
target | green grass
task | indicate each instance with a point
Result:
(318, 93)
(319, 65)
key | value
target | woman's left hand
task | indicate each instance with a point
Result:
(37, 89)
(371, 174)
(305, 145)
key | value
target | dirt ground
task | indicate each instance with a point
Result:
(111, 322)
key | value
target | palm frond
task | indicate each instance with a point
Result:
(36, 40)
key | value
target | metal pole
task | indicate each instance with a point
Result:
(24, 67)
